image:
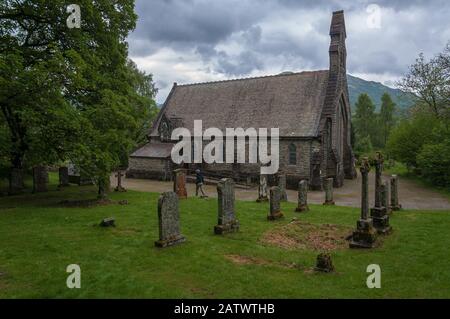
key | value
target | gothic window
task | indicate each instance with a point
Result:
(292, 154)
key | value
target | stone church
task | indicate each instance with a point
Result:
(311, 110)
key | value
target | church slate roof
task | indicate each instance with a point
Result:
(154, 150)
(292, 102)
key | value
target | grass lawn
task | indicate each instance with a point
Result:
(39, 238)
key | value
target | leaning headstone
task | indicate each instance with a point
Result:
(282, 186)
(394, 194)
(179, 183)
(275, 207)
(119, 187)
(262, 189)
(227, 221)
(40, 179)
(169, 221)
(16, 185)
(324, 263)
(302, 205)
(63, 173)
(328, 186)
(379, 213)
(365, 235)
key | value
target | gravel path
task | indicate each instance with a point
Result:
(411, 195)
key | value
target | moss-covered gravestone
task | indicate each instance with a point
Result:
(179, 183)
(169, 221)
(227, 221)
(40, 179)
(275, 206)
(302, 204)
(328, 186)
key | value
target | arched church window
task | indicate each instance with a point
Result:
(292, 154)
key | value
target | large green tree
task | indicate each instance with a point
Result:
(364, 119)
(386, 117)
(71, 93)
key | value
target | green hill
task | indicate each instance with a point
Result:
(375, 90)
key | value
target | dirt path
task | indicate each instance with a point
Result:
(411, 195)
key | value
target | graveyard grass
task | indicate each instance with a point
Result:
(39, 239)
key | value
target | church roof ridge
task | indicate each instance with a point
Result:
(250, 78)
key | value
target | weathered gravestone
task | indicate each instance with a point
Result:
(108, 222)
(385, 190)
(40, 179)
(63, 173)
(119, 187)
(365, 235)
(76, 176)
(379, 213)
(275, 207)
(302, 205)
(394, 193)
(169, 221)
(227, 221)
(262, 189)
(179, 183)
(328, 186)
(16, 185)
(324, 263)
(282, 186)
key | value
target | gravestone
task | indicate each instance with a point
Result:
(275, 207)
(227, 221)
(108, 222)
(302, 204)
(282, 186)
(379, 213)
(394, 194)
(328, 186)
(119, 187)
(179, 183)
(77, 177)
(16, 185)
(262, 189)
(169, 221)
(40, 179)
(324, 263)
(385, 191)
(63, 173)
(365, 235)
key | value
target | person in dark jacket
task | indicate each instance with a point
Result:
(199, 180)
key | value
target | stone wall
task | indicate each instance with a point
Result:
(151, 168)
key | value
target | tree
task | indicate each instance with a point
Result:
(76, 80)
(364, 118)
(429, 82)
(386, 117)
(409, 136)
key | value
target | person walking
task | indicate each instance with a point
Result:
(199, 180)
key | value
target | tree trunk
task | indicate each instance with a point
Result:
(103, 188)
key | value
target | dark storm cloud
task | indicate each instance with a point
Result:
(240, 37)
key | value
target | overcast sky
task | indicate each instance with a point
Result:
(188, 41)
